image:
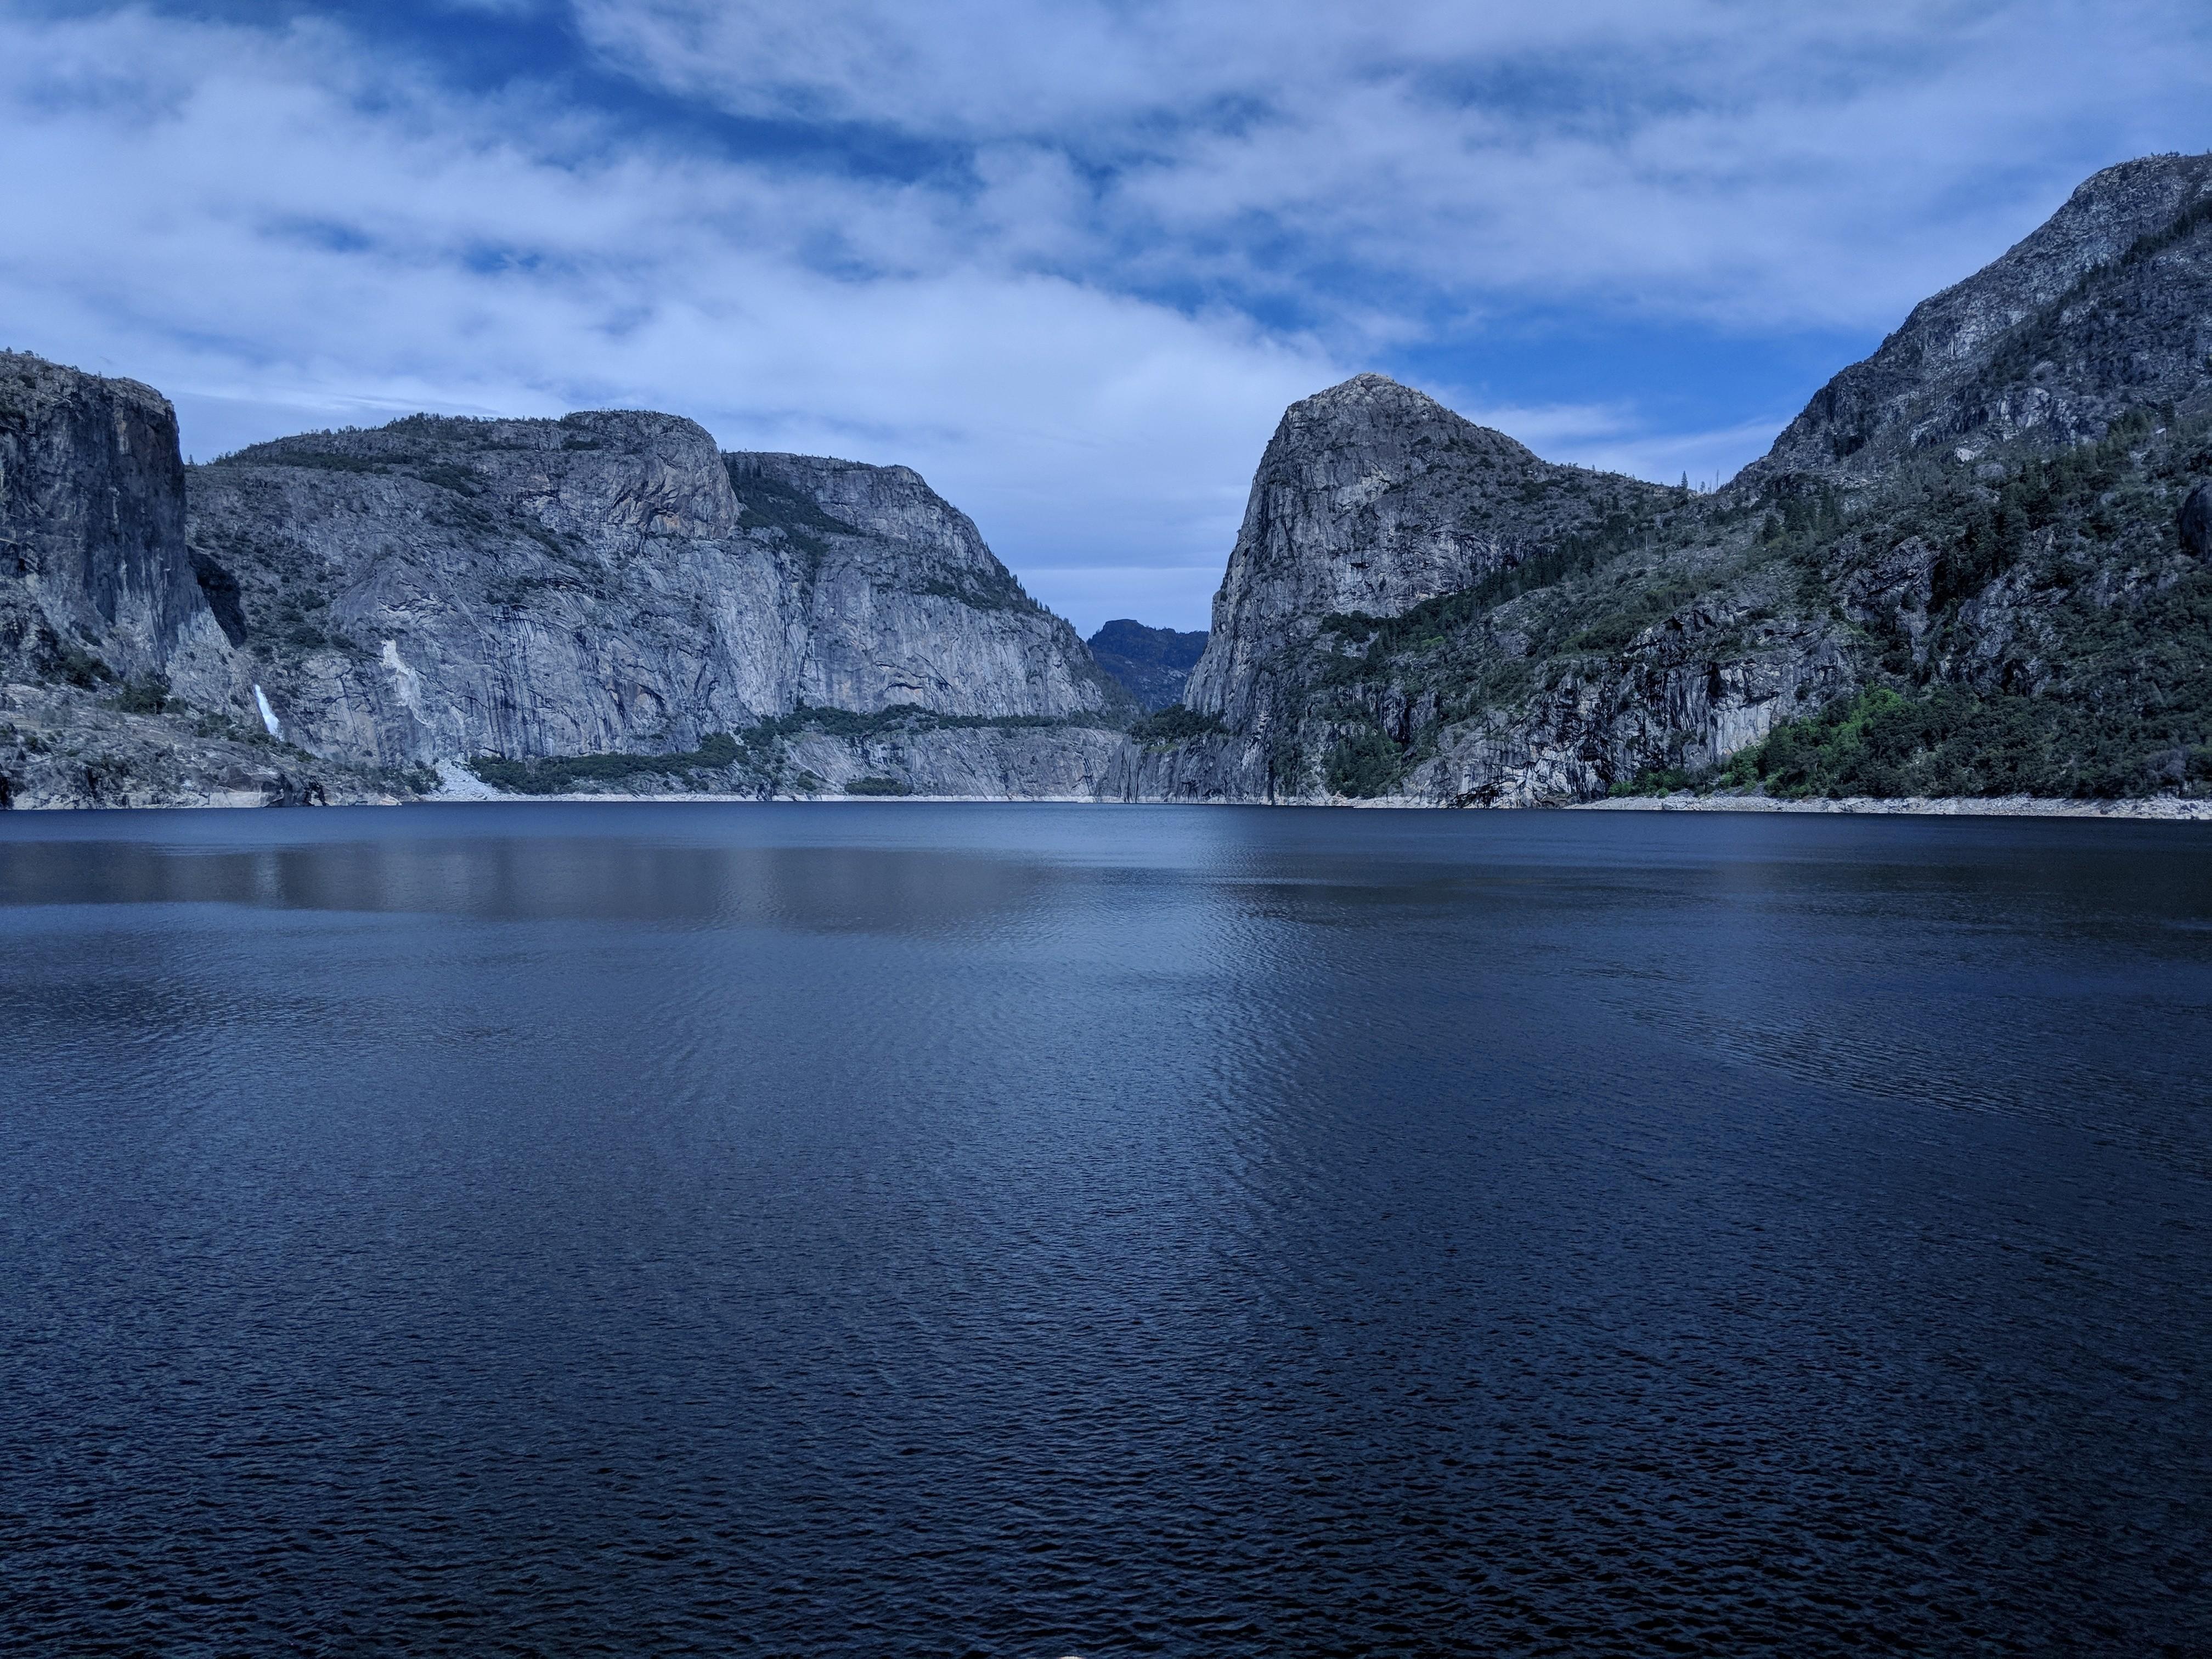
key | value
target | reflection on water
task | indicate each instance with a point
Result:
(1027, 1230)
(830, 888)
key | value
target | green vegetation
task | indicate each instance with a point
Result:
(2085, 497)
(1364, 763)
(462, 480)
(1650, 603)
(981, 592)
(1946, 740)
(72, 666)
(148, 694)
(1431, 622)
(843, 723)
(1656, 780)
(1175, 724)
(769, 503)
(879, 786)
(561, 774)
(321, 460)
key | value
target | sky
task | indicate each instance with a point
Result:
(1070, 261)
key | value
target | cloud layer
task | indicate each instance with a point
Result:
(1069, 261)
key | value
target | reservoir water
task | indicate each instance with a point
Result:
(1029, 1230)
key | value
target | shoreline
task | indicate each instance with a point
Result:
(2162, 809)
(2154, 809)
(2165, 808)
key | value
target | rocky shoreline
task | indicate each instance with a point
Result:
(2161, 808)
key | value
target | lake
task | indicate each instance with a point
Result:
(902, 1228)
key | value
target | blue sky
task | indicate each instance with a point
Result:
(1068, 260)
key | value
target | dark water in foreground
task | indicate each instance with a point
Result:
(910, 1230)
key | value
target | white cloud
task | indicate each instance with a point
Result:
(1764, 165)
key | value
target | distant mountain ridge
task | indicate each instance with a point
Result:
(1151, 664)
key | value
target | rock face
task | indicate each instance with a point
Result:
(93, 580)
(104, 627)
(2194, 522)
(608, 582)
(351, 615)
(1151, 664)
(1980, 562)
(2106, 306)
(1370, 498)
(1972, 565)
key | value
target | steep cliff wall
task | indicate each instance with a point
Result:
(92, 577)
(346, 615)
(113, 668)
(1976, 563)
(1370, 498)
(607, 582)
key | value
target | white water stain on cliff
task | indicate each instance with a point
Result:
(410, 682)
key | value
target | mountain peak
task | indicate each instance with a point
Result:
(2092, 313)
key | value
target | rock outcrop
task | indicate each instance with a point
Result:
(1979, 563)
(2194, 522)
(93, 583)
(113, 668)
(1371, 497)
(352, 615)
(2106, 306)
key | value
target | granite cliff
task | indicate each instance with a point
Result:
(369, 615)
(439, 589)
(1973, 565)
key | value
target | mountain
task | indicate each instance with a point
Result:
(1151, 663)
(2105, 308)
(604, 600)
(104, 627)
(1969, 567)
(1976, 564)
(608, 582)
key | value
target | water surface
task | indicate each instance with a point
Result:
(1029, 1230)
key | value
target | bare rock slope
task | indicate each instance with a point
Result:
(2105, 307)
(1975, 565)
